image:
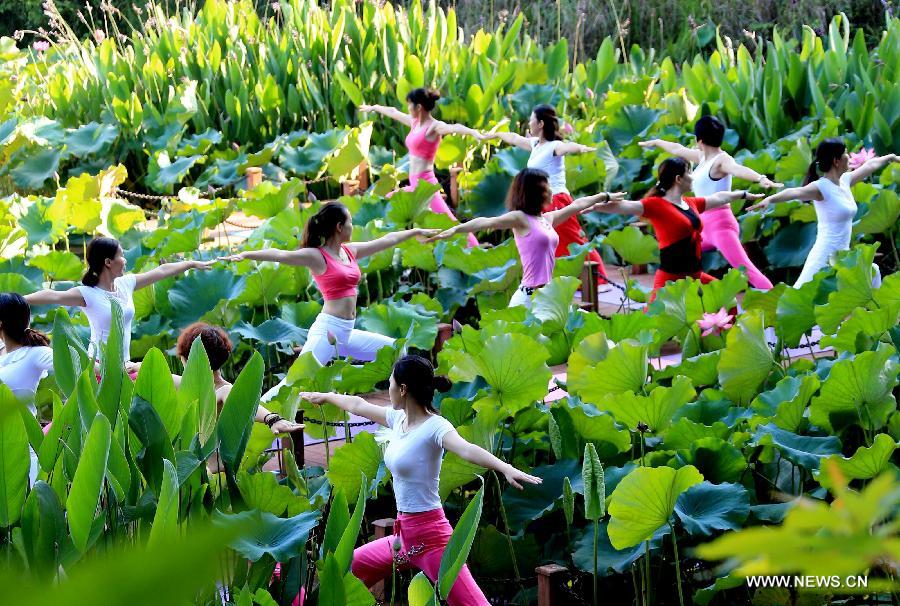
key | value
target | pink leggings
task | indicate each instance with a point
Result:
(438, 204)
(721, 231)
(423, 537)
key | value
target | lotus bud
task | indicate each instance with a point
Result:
(457, 327)
(643, 427)
(332, 340)
(590, 93)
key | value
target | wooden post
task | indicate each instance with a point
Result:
(363, 176)
(254, 177)
(546, 576)
(298, 442)
(350, 187)
(383, 527)
(454, 185)
(590, 300)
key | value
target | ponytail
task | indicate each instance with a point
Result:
(323, 224)
(811, 173)
(34, 338)
(417, 374)
(827, 152)
(668, 170)
(15, 317)
(98, 251)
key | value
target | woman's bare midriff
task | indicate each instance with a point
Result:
(344, 307)
(419, 165)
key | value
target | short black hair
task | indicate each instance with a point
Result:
(710, 131)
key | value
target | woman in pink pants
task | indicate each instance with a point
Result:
(423, 140)
(418, 438)
(713, 171)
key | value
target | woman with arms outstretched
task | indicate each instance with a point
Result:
(713, 173)
(424, 137)
(533, 228)
(419, 435)
(676, 221)
(833, 201)
(548, 152)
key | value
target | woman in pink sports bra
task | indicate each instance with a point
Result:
(713, 173)
(533, 229)
(328, 253)
(423, 140)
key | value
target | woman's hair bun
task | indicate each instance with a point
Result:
(433, 94)
(442, 383)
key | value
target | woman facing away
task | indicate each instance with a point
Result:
(424, 137)
(218, 348)
(713, 173)
(533, 228)
(548, 152)
(418, 438)
(833, 201)
(332, 259)
(105, 281)
(676, 221)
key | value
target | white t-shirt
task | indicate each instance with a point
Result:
(22, 369)
(414, 460)
(542, 157)
(99, 312)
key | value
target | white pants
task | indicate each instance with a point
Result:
(350, 342)
(520, 297)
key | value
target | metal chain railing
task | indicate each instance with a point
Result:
(339, 423)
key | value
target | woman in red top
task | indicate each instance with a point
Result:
(676, 221)
(329, 254)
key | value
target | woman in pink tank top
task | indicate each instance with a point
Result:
(329, 254)
(424, 137)
(533, 229)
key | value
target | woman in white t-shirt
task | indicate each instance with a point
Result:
(25, 356)
(104, 281)
(418, 438)
(833, 201)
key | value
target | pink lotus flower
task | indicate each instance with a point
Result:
(41, 45)
(715, 323)
(590, 93)
(99, 35)
(859, 158)
(567, 128)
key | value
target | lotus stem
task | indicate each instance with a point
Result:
(677, 565)
(596, 537)
(512, 551)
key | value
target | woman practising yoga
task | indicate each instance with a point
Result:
(713, 173)
(418, 438)
(104, 281)
(547, 154)
(676, 220)
(833, 201)
(533, 229)
(332, 258)
(424, 137)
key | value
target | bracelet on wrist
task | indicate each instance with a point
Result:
(272, 418)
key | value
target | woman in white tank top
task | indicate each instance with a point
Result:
(833, 201)
(713, 174)
(104, 281)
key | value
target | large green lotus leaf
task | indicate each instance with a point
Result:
(271, 332)
(552, 303)
(261, 491)
(401, 320)
(791, 245)
(858, 391)
(267, 199)
(765, 300)
(716, 459)
(608, 557)
(536, 500)
(746, 361)
(628, 122)
(417, 254)
(199, 143)
(353, 149)
(806, 451)
(490, 552)
(486, 198)
(865, 464)
(707, 507)
(362, 378)
(623, 368)
(701, 369)
(59, 265)
(655, 410)
(40, 225)
(684, 432)
(280, 538)
(199, 292)
(473, 260)
(119, 217)
(677, 308)
(572, 264)
(361, 455)
(78, 203)
(14, 460)
(854, 288)
(644, 501)
(90, 138)
(786, 402)
(598, 429)
(633, 246)
(268, 282)
(889, 292)
(723, 293)
(405, 207)
(164, 173)
(584, 170)
(456, 472)
(37, 167)
(882, 215)
(309, 159)
(863, 327)
(87, 484)
(795, 312)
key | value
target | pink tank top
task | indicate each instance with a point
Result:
(537, 251)
(339, 279)
(418, 145)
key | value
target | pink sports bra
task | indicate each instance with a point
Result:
(339, 279)
(418, 145)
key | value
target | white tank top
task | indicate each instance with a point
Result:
(543, 158)
(22, 369)
(98, 310)
(704, 185)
